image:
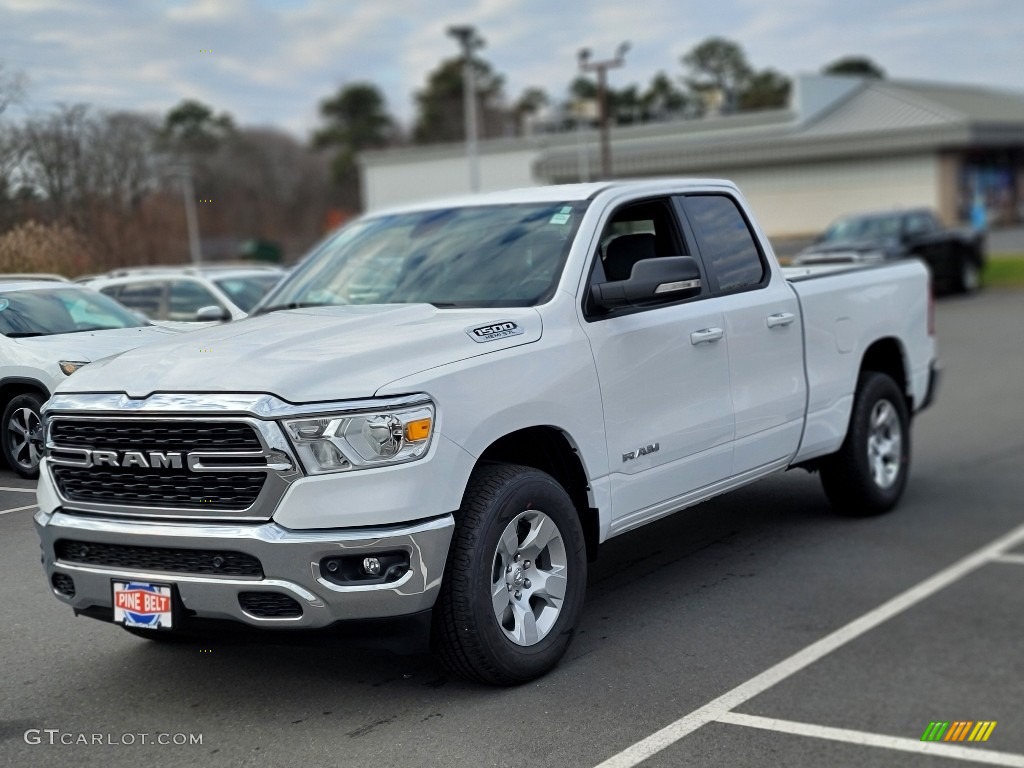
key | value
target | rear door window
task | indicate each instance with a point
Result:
(727, 246)
(146, 297)
(187, 298)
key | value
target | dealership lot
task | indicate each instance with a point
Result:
(757, 629)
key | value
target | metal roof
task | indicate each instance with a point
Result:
(876, 118)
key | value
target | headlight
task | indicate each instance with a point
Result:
(70, 366)
(341, 442)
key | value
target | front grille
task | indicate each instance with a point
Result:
(167, 559)
(162, 488)
(269, 605)
(154, 435)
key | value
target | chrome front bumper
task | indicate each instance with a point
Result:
(290, 560)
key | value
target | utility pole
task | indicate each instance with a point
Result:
(470, 41)
(601, 68)
(190, 215)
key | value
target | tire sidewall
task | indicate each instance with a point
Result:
(27, 399)
(532, 490)
(875, 387)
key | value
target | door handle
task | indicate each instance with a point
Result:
(706, 336)
(780, 318)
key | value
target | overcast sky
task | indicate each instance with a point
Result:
(272, 61)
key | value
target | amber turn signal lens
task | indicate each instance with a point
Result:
(418, 430)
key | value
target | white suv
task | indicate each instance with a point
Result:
(48, 330)
(189, 294)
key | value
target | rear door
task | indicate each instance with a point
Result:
(762, 323)
(664, 374)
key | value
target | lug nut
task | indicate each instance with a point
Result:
(527, 584)
(526, 565)
(508, 569)
(516, 557)
(519, 595)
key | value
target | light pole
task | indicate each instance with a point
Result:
(601, 68)
(470, 42)
(184, 171)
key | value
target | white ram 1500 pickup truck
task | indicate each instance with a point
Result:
(437, 419)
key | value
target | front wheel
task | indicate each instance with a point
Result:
(869, 472)
(20, 434)
(515, 578)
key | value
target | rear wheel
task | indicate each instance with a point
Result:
(20, 434)
(515, 578)
(869, 472)
(969, 275)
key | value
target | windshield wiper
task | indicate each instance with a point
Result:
(295, 305)
(24, 334)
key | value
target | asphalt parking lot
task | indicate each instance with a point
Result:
(755, 630)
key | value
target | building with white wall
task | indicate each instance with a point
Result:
(844, 145)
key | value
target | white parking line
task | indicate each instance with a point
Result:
(936, 749)
(1010, 558)
(17, 509)
(18, 490)
(728, 701)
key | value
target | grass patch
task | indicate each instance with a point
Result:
(1004, 270)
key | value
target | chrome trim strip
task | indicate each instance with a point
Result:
(189, 404)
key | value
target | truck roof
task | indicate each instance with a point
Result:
(553, 193)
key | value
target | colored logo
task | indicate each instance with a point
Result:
(959, 730)
(143, 604)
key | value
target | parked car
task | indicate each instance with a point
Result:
(956, 257)
(435, 421)
(36, 276)
(48, 330)
(189, 294)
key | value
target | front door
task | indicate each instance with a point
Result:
(664, 375)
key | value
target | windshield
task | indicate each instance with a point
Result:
(865, 228)
(480, 256)
(246, 291)
(61, 310)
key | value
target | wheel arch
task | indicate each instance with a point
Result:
(551, 450)
(887, 355)
(12, 386)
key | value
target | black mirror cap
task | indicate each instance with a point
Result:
(670, 278)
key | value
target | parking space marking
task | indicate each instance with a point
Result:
(863, 738)
(1010, 557)
(713, 710)
(17, 509)
(18, 490)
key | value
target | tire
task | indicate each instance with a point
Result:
(21, 417)
(494, 552)
(968, 278)
(868, 474)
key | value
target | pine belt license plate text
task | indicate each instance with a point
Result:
(141, 604)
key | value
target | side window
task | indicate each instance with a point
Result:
(187, 297)
(726, 243)
(920, 224)
(146, 297)
(644, 230)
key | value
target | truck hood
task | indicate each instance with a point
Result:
(312, 355)
(89, 346)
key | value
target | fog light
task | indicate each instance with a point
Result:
(371, 565)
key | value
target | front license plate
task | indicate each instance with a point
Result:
(141, 604)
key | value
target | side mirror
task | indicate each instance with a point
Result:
(212, 314)
(669, 277)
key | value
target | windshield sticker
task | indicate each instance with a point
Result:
(4, 304)
(494, 331)
(562, 217)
